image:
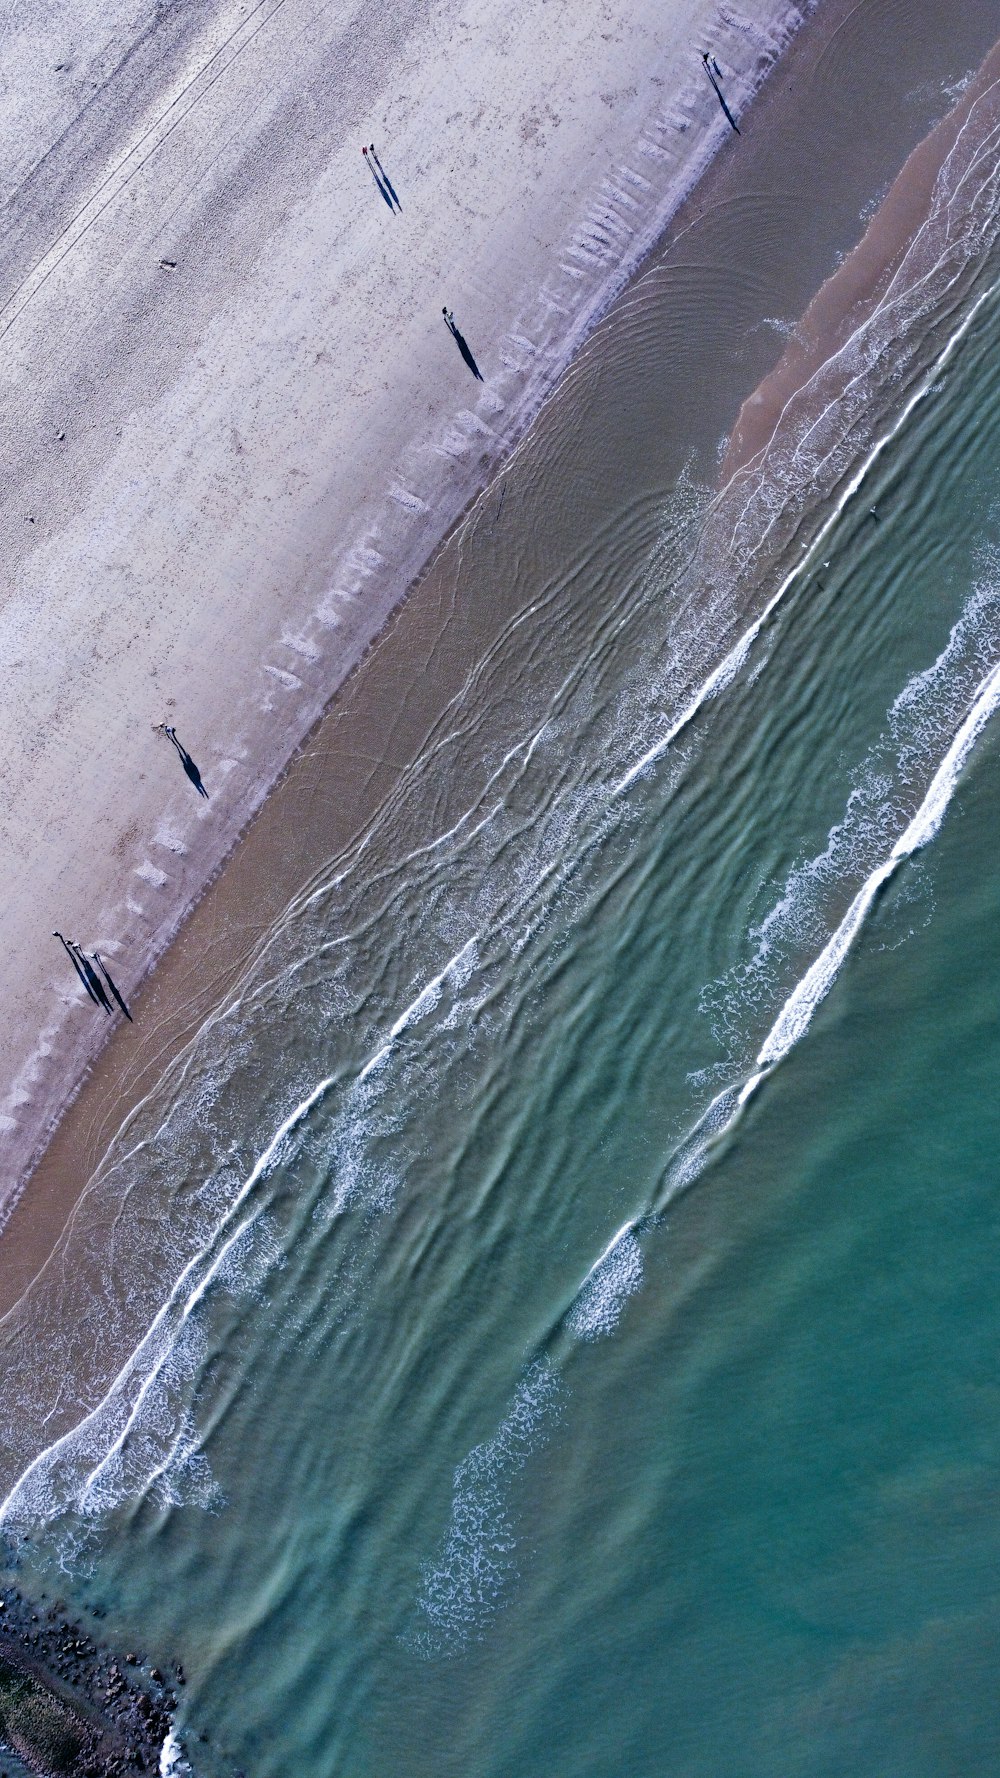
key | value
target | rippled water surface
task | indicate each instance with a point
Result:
(572, 1343)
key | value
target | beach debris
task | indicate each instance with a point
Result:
(168, 265)
(711, 63)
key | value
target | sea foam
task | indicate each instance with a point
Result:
(465, 1582)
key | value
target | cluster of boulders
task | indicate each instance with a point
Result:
(68, 1705)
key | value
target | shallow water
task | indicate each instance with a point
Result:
(583, 1360)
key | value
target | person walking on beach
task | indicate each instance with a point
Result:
(102, 966)
(164, 728)
(378, 181)
(709, 64)
(77, 965)
(93, 979)
(461, 342)
(387, 182)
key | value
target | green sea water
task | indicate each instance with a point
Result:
(585, 1356)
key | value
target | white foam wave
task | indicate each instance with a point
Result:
(795, 1015)
(810, 442)
(797, 1012)
(886, 783)
(612, 1279)
(427, 999)
(464, 1584)
(457, 970)
(133, 1437)
(173, 1763)
(722, 676)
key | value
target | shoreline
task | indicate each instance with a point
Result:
(233, 907)
(846, 303)
(612, 234)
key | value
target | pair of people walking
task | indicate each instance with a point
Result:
(93, 972)
(97, 989)
(381, 178)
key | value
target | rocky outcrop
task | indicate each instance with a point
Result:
(71, 1707)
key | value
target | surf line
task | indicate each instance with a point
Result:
(723, 675)
(159, 1326)
(425, 1002)
(626, 1229)
(796, 1014)
(161, 1337)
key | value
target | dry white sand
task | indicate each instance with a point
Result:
(219, 474)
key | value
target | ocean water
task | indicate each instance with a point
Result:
(548, 1321)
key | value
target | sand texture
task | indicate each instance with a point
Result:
(236, 424)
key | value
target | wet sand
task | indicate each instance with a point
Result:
(848, 298)
(355, 762)
(237, 425)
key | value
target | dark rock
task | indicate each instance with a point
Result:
(97, 1713)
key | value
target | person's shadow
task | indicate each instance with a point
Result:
(78, 966)
(462, 344)
(85, 970)
(105, 971)
(93, 979)
(387, 182)
(188, 763)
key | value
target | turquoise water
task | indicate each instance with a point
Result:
(584, 1360)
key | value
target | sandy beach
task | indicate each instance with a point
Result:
(237, 424)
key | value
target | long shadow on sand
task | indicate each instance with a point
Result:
(188, 763)
(462, 344)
